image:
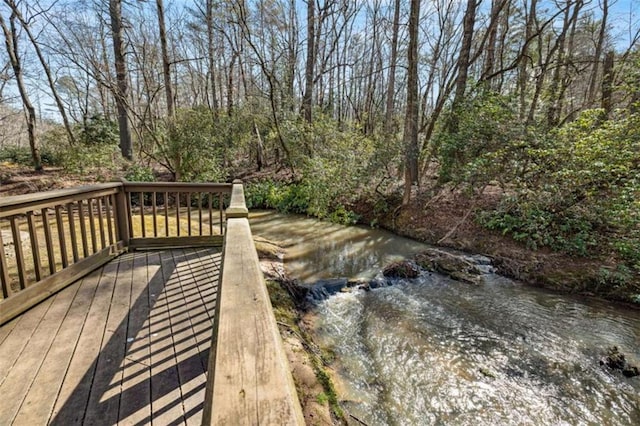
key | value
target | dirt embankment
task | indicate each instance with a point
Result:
(448, 220)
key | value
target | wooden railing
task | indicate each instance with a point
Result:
(175, 214)
(249, 381)
(50, 239)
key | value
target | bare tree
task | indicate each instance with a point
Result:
(166, 65)
(11, 44)
(122, 89)
(411, 117)
(45, 67)
(309, 75)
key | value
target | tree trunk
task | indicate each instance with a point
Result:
(598, 53)
(411, 117)
(463, 61)
(11, 43)
(607, 83)
(553, 112)
(166, 65)
(307, 98)
(523, 73)
(391, 87)
(47, 71)
(122, 87)
(211, 58)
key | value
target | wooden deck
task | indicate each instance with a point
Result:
(127, 344)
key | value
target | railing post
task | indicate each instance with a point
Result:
(237, 207)
(122, 215)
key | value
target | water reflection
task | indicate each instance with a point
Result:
(318, 250)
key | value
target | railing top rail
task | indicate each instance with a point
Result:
(17, 204)
(237, 206)
(177, 187)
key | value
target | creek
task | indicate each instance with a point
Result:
(433, 350)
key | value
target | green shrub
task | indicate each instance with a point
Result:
(586, 201)
(97, 130)
(22, 155)
(139, 173)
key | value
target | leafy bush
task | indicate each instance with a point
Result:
(189, 146)
(22, 155)
(97, 130)
(489, 143)
(139, 173)
(86, 158)
(588, 200)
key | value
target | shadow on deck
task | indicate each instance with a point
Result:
(128, 343)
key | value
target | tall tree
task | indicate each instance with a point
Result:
(391, 85)
(211, 55)
(122, 79)
(166, 65)
(11, 44)
(593, 83)
(45, 67)
(464, 58)
(309, 74)
(411, 116)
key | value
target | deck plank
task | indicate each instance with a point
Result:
(128, 344)
(17, 383)
(5, 330)
(13, 344)
(73, 397)
(104, 399)
(165, 384)
(41, 398)
(189, 346)
(135, 399)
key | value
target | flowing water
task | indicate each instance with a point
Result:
(436, 351)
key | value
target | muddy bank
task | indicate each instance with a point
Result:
(307, 361)
(450, 223)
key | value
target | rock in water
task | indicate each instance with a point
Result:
(401, 269)
(616, 360)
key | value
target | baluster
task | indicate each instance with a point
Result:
(155, 214)
(103, 240)
(178, 212)
(189, 212)
(210, 213)
(109, 202)
(142, 224)
(92, 226)
(166, 214)
(221, 208)
(72, 232)
(83, 229)
(4, 272)
(130, 213)
(35, 248)
(200, 213)
(48, 240)
(17, 245)
(61, 237)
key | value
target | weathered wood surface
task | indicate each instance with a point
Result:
(127, 344)
(21, 204)
(251, 383)
(48, 286)
(175, 242)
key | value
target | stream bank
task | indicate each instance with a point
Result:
(450, 223)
